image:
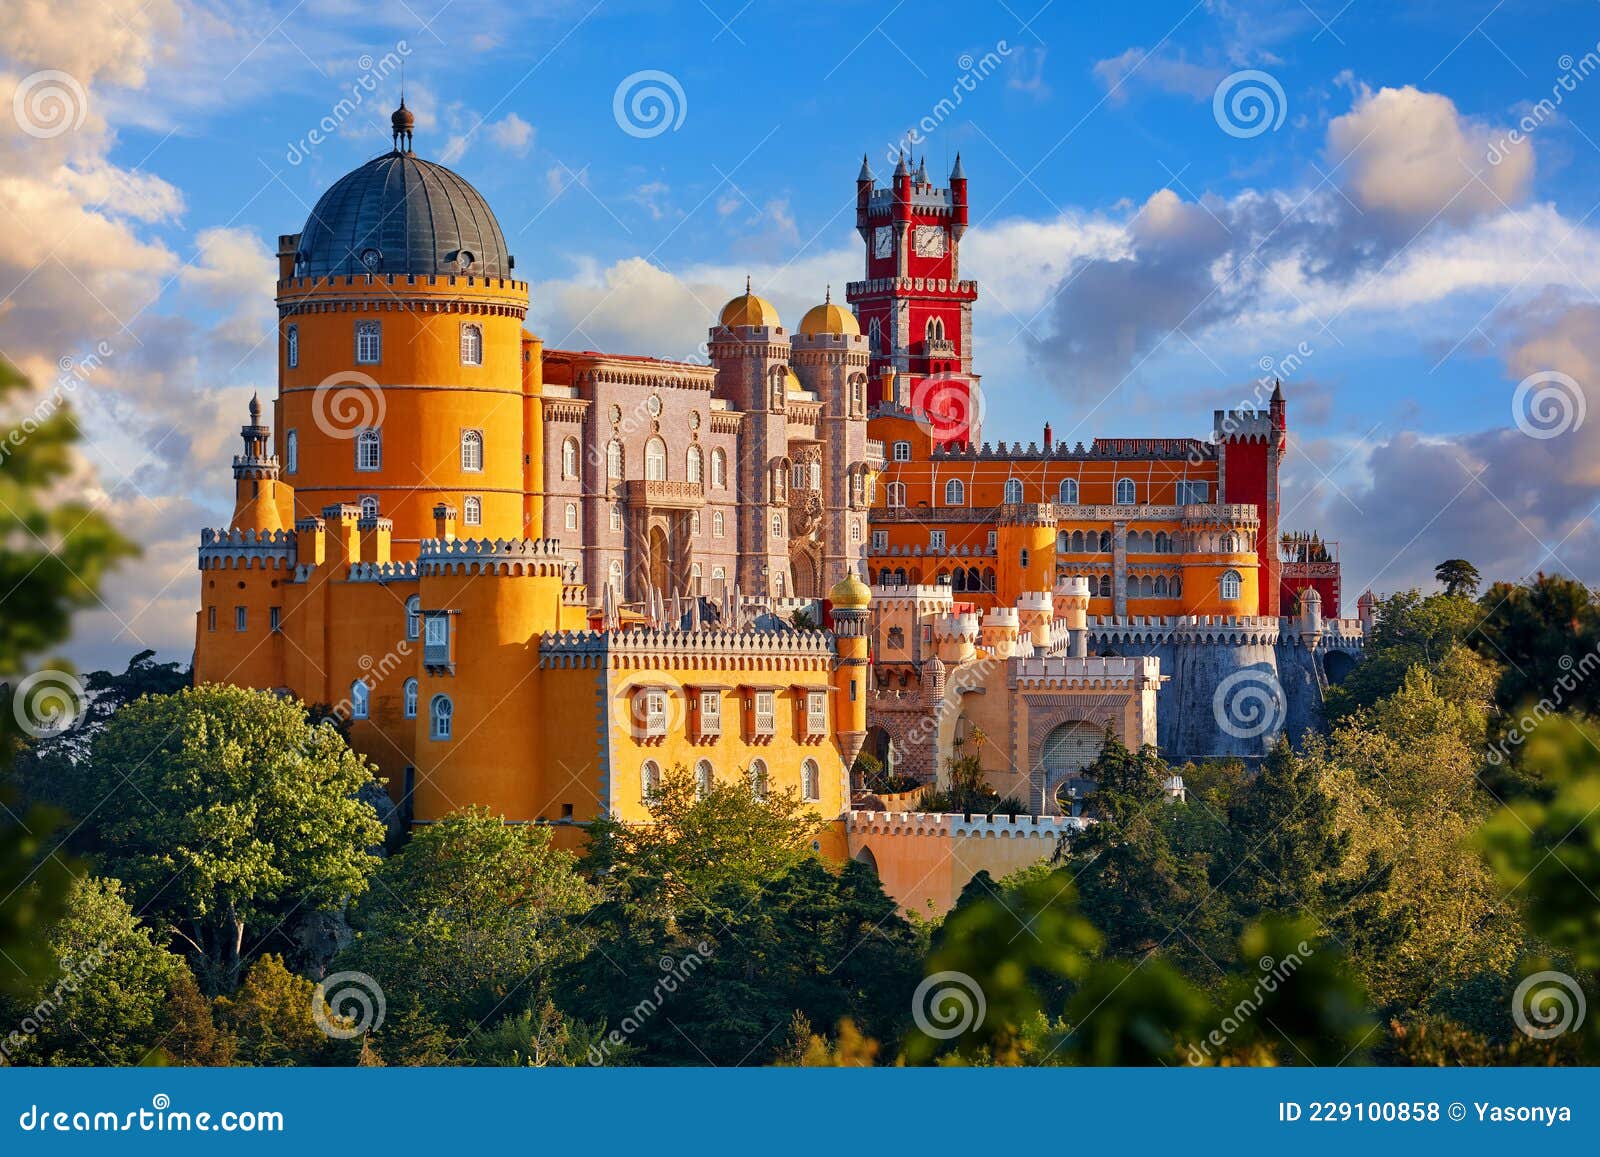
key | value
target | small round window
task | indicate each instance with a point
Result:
(654, 406)
(372, 258)
(465, 258)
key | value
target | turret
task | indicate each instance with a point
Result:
(1035, 613)
(958, 199)
(851, 601)
(1367, 609)
(256, 488)
(1001, 628)
(444, 521)
(1310, 616)
(955, 639)
(1072, 608)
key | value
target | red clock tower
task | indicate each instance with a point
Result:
(913, 306)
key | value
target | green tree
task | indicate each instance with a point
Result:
(1459, 578)
(696, 845)
(228, 810)
(105, 1007)
(1285, 836)
(54, 553)
(1411, 630)
(719, 982)
(272, 1018)
(1539, 632)
(468, 917)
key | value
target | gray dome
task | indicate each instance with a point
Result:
(400, 214)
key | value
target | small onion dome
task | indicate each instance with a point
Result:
(748, 309)
(850, 593)
(402, 118)
(829, 318)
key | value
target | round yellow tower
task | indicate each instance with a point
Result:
(851, 600)
(401, 354)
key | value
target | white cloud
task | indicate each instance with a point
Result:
(513, 134)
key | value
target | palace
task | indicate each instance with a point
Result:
(538, 580)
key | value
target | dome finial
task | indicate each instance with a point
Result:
(827, 294)
(402, 123)
(747, 283)
(255, 409)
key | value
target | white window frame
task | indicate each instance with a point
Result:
(719, 524)
(1131, 492)
(571, 517)
(471, 344)
(291, 452)
(810, 781)
(902, 451)
(880, 541)
(710, 712)
(616, 459)
(655, 460)
(1013, 491)
(1067, 492)
(695, 465)
(705, 777)
(816, 713)
(759, 781)
(369, 506)
(372, 437)
(1231, 586)
(472, 455)
(955, 493)
(369, 343)
(650, 712)
(472, 511)
(291, 346)
(765, 715)
(441, 717)
(571, 459)
(414, 617)
(719, 469)
(241, 618)
(409, 694)
(936, 540)
(360, 700)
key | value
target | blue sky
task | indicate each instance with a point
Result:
(1139, 263)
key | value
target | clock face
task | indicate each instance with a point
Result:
(928, 241)
(883, 241)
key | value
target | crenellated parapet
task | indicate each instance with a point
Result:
(1095, 673)
(1222, 630)
(1100, 449)
(946, 824)
(268, 549)
(517, 557)
(649, 648)
(386, 572)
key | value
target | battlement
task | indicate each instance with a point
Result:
(1230, 514)
(1168, 449)
(1242, 426)
(386, 572)
(954, 824)
(1003, 617)
(645, 648)
(1096, 671)
(949, 551)
(877, 285)
(519, 557)
(246, 548)
(956, 627)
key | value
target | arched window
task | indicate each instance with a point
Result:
(895, 494)
(472, 511)
(614, 575)
(855, 530)
(902, 451)
(703, 777)
(1231, 585)
(1013, 490)
(472, 450)
(414, 617)
(1229, 544)
(758, 780)
(719, 574)
(615, 518)
(291, 452)
(1127, 494)
(718, 524)
(655, 460)
(874, 335)
(572, 516)
(649, 780)
(359, 696)
(613, 459)
(291, 345)
(569, 458)
(777, 526)
(369, 506)
(810, 780)
(955, 494)
(441, 713)
(369, 450)
(816, 475)
(1067, 492)
(369, 343)
(719, 468)
(471, 344)
(696, 465)
(411, 699)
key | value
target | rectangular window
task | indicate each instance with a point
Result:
(902, 451)
(211, 618)
(1193, 493)
(616, 517)
(369, 343)
(275, 618)
(816, 713)
(935, 540)
(651, 706)
(710, 713)
(291, 345)
(880, 541)
(766, 722)
(436, 640)
(241, 619)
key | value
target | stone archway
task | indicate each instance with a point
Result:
(1064, 754)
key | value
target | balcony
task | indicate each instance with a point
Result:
(664, 495)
